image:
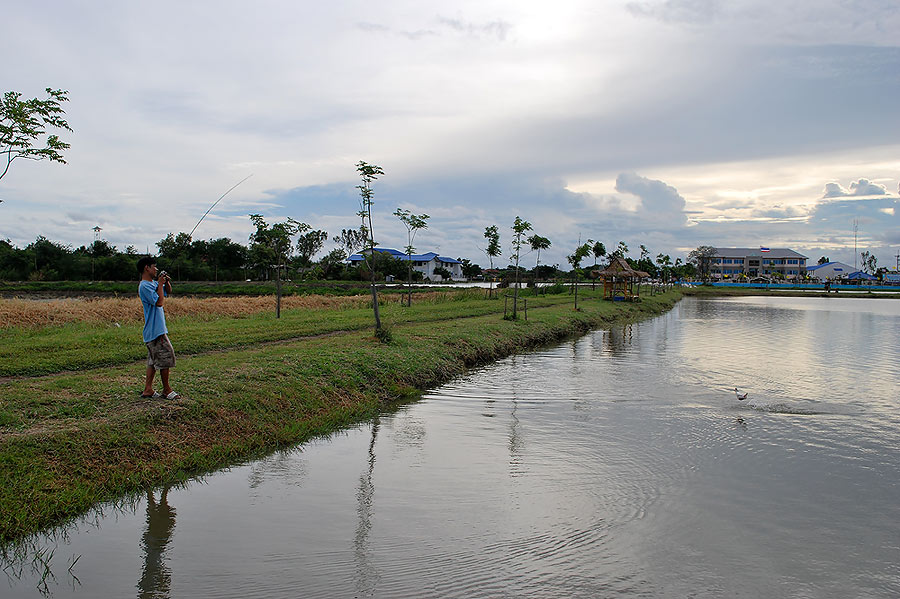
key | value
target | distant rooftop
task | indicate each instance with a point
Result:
(426, 257)
(771, 253)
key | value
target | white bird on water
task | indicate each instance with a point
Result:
(740, 396)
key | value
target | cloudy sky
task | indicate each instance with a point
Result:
(668, 123)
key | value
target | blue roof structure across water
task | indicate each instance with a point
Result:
(427, 257)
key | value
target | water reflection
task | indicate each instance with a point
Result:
(156, 577)
(366, 572)
(616, 465)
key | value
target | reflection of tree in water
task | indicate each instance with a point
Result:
(366, 574)
(156, 579)
(516, 443)
(619, 340)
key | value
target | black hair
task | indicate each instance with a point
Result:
(144, 262)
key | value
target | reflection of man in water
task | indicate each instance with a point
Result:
(156, 579)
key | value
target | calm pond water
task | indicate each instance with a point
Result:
(619, 464)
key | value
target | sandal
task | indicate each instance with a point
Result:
(156, 394)
(173, 395)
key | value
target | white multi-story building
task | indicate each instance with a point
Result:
(731, 263)
(423, 263)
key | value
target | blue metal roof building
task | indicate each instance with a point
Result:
(423, 263)
(837, 270)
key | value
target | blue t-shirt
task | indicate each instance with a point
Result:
(154, 317)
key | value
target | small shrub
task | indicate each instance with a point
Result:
(555, 288)
(384, 334)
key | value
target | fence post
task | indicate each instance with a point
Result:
(525, 302)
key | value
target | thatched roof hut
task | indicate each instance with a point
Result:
(619, 279)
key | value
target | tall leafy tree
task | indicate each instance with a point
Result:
(621, 250)
(24, 124)
(702, 258)
(469, 270)
(869, 262)
(351, 240)
(308, 245)
(598, 250)
(664, 264)
(519, 228)
(369, 173)
(413, 223)
(175, 249)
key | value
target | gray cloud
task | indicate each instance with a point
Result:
(842, 22)
(496, 29)
(658, 199)
(677, 11)
(863, 187)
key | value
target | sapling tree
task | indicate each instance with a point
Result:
(369, 173)
(493, 246)
(23, 123)
(520, 227)
(598, 250)
(413, 223)
(580, 253)
(537, 244)
(271, 244)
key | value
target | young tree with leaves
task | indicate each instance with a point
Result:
(369, 173)
(272, 245)
(580, 253)
(413, 223)
(492, 250)
(537, 244)
(598, 250)
(519, 228)
(24, 122)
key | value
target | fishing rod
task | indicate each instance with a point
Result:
(191, 234)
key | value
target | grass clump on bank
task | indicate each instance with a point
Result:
(73, 439)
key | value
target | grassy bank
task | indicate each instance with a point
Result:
(81, 435)
(11, 289)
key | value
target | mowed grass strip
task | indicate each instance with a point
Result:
(77, 439)
(32, 351)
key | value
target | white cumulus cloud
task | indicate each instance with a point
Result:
(863, 187)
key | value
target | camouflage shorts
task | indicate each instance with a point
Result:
(160, 353)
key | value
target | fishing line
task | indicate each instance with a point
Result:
(191, 234)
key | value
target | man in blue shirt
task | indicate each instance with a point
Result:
(153, 289)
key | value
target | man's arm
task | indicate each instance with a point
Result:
(163, 286)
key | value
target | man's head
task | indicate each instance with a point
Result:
(146, 265)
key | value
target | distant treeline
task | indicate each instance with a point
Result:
(225, 260)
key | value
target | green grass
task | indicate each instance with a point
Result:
(198, 288)
(76, 346)
(73, 439)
